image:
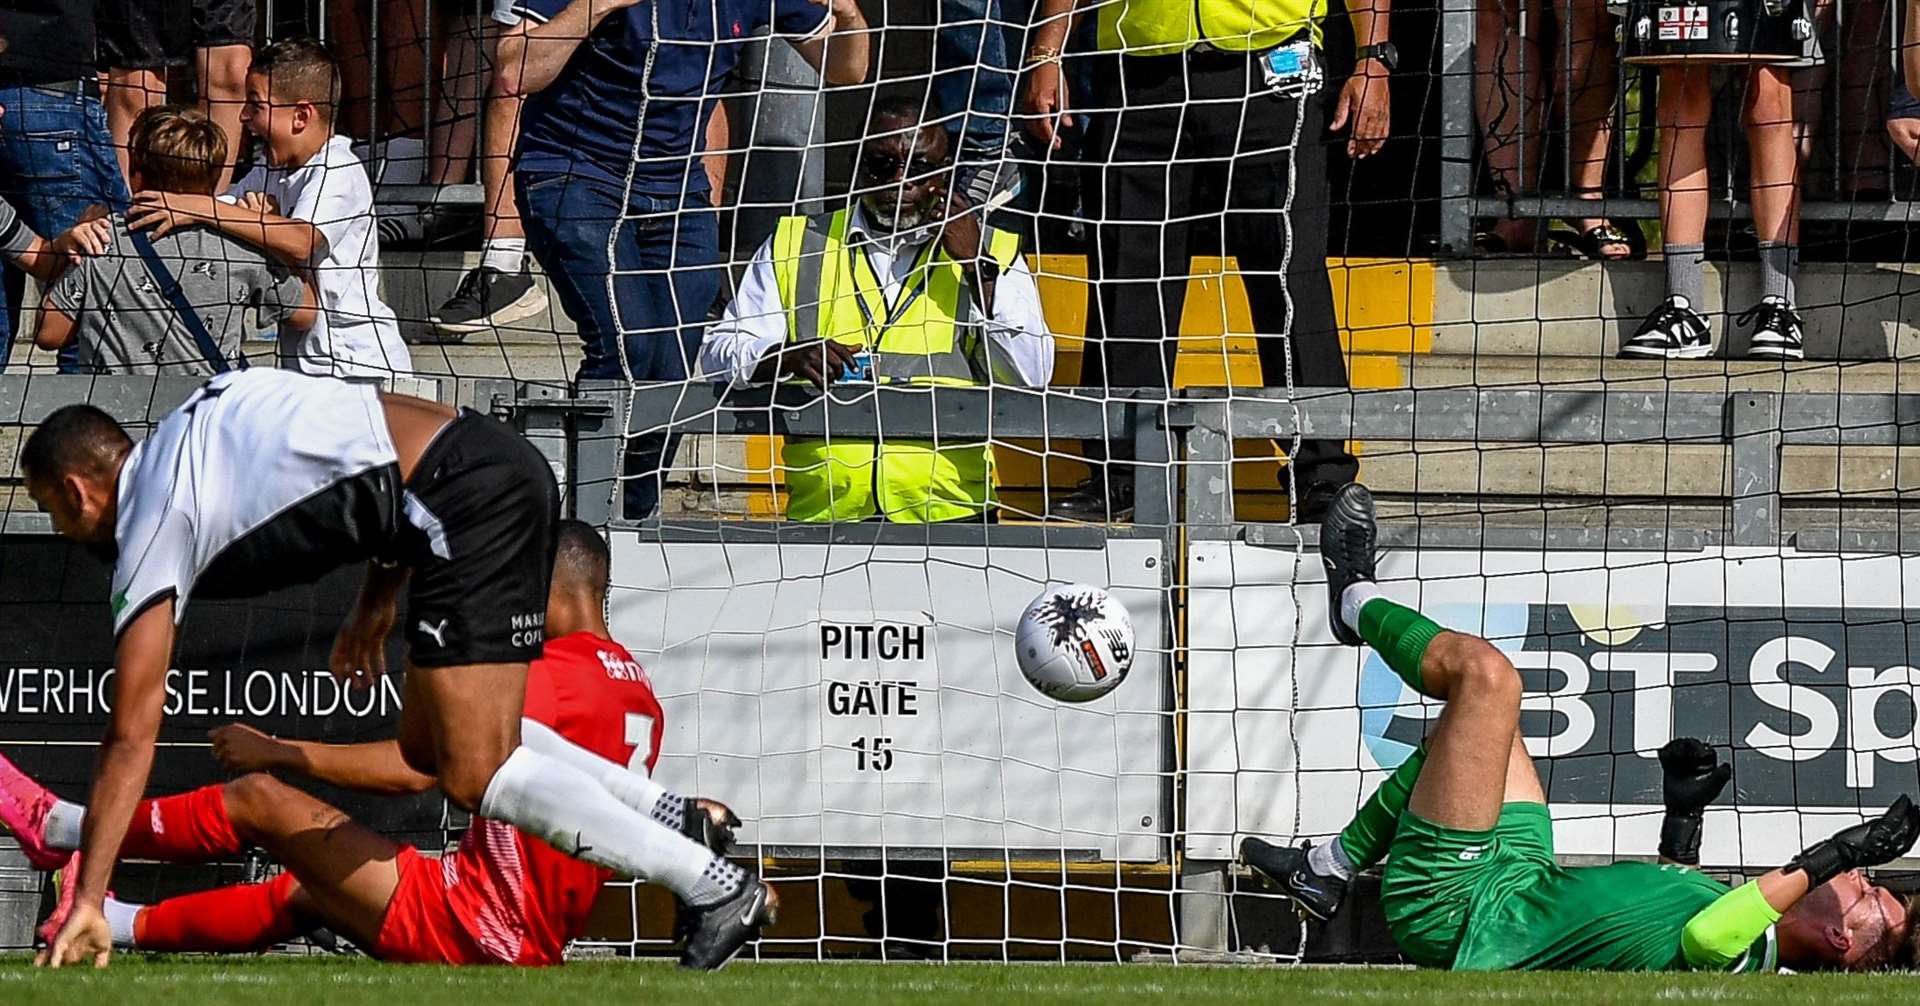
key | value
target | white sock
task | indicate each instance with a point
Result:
(509, 255)
(635, 789)
(63, 825)
(552, 800)
(120, 916)
(1354, 598)
(1328, 859)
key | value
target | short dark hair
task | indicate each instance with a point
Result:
(581, 557)
(897, 106)
(74, 438)
(301, 69)
(177, 149)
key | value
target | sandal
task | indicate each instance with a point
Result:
(1588, 244)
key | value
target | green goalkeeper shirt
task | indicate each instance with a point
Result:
(1622, 917)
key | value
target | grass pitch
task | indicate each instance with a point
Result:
(343, 981)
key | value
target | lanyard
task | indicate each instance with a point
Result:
(910, 289)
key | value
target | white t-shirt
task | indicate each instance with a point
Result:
(261, 479)
(355, 333)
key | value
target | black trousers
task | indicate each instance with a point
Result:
(1196, 143)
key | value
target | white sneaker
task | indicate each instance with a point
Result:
(1777, 333)
(1674, 331)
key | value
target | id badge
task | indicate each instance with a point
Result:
(1292, 69)
(860, 371)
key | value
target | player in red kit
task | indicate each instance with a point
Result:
(499, 898)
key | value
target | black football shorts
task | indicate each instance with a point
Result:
(481, 513)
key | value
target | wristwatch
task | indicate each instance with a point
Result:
(1385, 52)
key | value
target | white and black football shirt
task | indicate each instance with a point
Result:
(262, 479)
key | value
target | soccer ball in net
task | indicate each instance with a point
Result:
(1075, 642)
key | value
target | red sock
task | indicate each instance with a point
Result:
(186, 828)
(227, 920)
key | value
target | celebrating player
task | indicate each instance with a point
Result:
(1471, 881)
(267, 478)
(497, 899)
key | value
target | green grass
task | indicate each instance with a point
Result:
(331, 981)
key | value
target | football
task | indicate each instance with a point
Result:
(1075, 642)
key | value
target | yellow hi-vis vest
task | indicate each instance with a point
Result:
(930, 339)
(1162, 27)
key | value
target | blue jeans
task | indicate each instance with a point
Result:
(56, 161)
(665, 278)
(976, 58)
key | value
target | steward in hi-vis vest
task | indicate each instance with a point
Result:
(907, 286)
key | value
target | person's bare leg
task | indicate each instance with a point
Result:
(347, 871)
(1509, 92)
(1464, 783)
(127, 93)
(1775, 157)
(1523, 780)
(451, 144)
(719, 136)
(1686, 101)
(1593, 81)
(223, 92)
(472, 714)
(496, 161)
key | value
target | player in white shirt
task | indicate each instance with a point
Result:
(267, 478)
(313, 175)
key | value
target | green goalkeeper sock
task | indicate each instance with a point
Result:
(1400, 635)
(1367, 837)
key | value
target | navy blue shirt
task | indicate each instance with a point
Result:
(584, 122)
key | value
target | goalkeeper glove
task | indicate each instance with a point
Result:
(1873, 843)
(1692, 776)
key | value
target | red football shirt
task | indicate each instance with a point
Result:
(521, 899)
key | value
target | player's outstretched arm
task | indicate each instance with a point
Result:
(360, 648)
(376, 767)
(126, 758)
(1723, 931)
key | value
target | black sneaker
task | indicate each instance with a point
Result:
(1674, 331)
(716, 934)
(1347, 536)
(1777, 334)
(1096, 499)
(487, 299)
(710, 823)
(1315, 895)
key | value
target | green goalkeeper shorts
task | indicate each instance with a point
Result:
(1435, 875)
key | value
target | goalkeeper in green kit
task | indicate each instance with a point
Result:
(1470, 880)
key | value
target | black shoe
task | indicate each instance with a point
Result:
(1315, 498)
(1096, 500)
(1777, 333)
(716, 934)
(1315, 895)
(487, 299)
(1674, 331)
(1347, 534)
(710, 823)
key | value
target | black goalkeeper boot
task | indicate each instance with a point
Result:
(1347, 535)
(716, 933)
(1286, 868)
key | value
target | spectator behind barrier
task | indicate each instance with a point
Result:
(610, 138)
(1679, 328)
(1910, 48)
(1512, 82)
(177, 302)
(887, 290)
(312, 174)
(1211, 96)
(47, 87)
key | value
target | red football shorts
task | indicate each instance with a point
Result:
(421, 927)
